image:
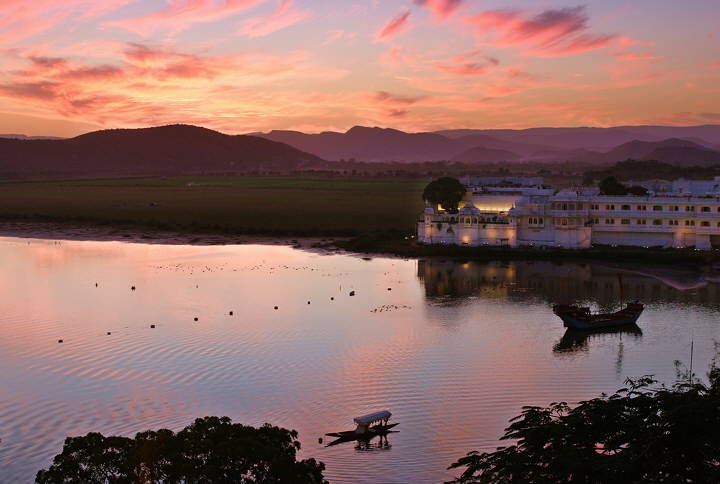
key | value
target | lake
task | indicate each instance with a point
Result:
(453, 349)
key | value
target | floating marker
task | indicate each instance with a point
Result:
(231, 313)
(109, 333)
(332, 298)
(308, 302)
(389, 288)
(276, 308)
(195, 319)
(60, 341)
(352, 293)
(152, 326)
(132, 288)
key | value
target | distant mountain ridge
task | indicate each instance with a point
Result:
(595, 145)
(165, 150)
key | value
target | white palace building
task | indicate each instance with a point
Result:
(523, 211)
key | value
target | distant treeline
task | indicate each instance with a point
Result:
(442, 168)
(647, 170)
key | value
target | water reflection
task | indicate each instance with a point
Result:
(454, 350)
(571, 283)
(574, 340)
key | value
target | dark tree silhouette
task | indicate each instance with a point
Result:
(610, 186)
(642, 434)
(446, 191)
(637, 190)
(212, 449)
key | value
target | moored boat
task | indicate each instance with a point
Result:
(577, 317)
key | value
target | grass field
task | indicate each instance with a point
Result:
(264, 205)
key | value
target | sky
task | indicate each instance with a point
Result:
(239, 66)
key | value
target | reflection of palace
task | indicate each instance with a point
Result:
(564, 282)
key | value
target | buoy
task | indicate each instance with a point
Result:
(152, 325)
(96, 284)
(332, 298)
(352, 293)
(195, 319)
(276, 308)
(132, 288)
(60, 341)
(320, 440)
(231, 313)
(109, 333)
(389, 288)
(308, 302)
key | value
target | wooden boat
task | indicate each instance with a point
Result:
(368, 427)
(576, 317)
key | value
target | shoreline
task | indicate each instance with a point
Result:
(377, 244)
(147, 235)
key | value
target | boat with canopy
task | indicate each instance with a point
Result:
(368, 426)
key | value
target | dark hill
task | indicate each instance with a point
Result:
(165, 150)
(674, 151)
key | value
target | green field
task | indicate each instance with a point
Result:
(263, 205)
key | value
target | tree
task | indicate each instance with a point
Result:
(637, 190)
(212, 449)
(642, 434)
(610, 186)
(445, 191)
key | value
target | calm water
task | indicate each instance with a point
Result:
(453, 350)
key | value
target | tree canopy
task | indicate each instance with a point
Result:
(610, 186)
(212, 449)
(645, 433)
(445, 191)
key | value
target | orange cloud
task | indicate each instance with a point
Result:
(550, 33)
(394, 27)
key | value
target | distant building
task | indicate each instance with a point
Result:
(516, 211)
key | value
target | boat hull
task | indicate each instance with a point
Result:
(573, 317)
(351, 435)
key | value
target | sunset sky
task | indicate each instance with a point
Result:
(238, 66)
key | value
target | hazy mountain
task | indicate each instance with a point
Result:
(674, 151)
(598, 139)
(543, 144)
(370, 144)
(166, 150)
(481, 154)
(380, 144)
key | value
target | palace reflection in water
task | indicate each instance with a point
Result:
(568, 282)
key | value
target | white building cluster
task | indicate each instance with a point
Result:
(521, 211)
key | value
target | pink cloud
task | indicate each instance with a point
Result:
(468, 64)
(386, 97)
(440, 8)
(394, 27)
(550, 33)
(284, 16)
(181, 14)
